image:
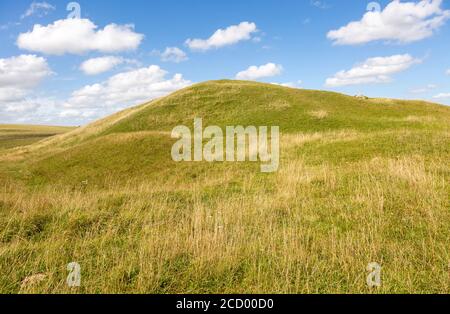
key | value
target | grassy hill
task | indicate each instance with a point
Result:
(360, 181)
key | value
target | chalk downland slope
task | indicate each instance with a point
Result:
(360, 181)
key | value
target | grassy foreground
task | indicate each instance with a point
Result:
(360, 181)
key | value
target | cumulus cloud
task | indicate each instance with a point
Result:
(448, 72)
(224, 37)
(99, 65)
(373, 70)
(21, 107)
(257, 72)
(18, 75)
(23, 71)
(173, 54)
(38, 8)
(402, 22)
(78, 36)
(127, 88)
(11, 94)
(29, 109)
(18, 103)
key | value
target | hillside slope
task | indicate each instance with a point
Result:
(136, 142)
(360, 181)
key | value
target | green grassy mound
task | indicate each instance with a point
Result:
(360, 181)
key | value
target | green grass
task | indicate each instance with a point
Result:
(360, 181)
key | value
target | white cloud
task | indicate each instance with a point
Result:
(74, 113)
(99, 65)
(424, 89)
(290, 84)
(224, 37)
(22, 106)
(173, 54)
(30, 110)
(23, 71)
(11, 94)
(258, 72)
(38, 8)
(373, 70)
(78, 36)
(402, 22)
(18, 76)
(442, 96)
(448, 72)
(127, 88)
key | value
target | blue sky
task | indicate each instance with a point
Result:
(56, 70)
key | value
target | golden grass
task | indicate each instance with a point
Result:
(279, 104)
(299, 139)
(319, 114)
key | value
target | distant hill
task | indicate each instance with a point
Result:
(14, 135)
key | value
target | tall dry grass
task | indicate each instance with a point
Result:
(307, 229)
